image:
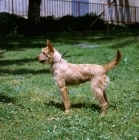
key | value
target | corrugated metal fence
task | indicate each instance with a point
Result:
(59, 8)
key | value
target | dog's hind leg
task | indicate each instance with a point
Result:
(65, 99)
(98, 85)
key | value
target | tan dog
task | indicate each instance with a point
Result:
(70, 74)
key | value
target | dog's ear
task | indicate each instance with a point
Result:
(50, 46)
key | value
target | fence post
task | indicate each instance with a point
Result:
(135, 14)
(104, 13)
(12, 7)
(79, 8)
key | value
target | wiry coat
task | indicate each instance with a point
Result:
(70, 74)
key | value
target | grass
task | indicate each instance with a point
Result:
(30, 103)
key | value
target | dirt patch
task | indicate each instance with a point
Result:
(86, 45)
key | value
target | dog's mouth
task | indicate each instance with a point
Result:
(42, 61)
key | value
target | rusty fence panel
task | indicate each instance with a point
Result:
(122, 14)
(59, 8)
(18, 7)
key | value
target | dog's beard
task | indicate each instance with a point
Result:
(44, 62)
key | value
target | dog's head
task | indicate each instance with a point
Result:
(46, 56)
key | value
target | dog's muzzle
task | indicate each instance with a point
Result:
(41, 60)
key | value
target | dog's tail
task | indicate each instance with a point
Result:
(114, 62)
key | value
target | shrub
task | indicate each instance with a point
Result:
(11, 23)
(16, 24)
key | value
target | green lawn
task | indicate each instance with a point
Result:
(30, 103)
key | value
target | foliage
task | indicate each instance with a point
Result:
(12, 23)
(30, 103)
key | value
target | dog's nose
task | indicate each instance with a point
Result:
(38, 57)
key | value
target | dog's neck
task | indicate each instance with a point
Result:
(57, 59)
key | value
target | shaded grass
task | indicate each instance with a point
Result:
(30, 102)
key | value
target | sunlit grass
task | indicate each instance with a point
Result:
(30, 103)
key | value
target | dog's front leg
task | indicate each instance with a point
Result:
(65, 99)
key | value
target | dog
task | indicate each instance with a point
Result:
(66, 74)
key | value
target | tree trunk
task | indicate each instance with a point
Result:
(34, 11)
(33, 17)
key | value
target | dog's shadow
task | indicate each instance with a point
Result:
(60, 106)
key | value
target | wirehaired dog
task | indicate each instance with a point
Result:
(66, 74)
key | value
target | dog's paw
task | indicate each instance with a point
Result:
(67, 111)
(103, 113)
